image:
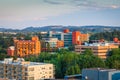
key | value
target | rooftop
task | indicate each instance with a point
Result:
(20, 61)
(97, 44)
(102, 69)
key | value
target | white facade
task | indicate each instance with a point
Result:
(23, 70)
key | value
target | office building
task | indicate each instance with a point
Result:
(27, 47)
(25, 70)
(68, 37)
(98, 49)
(100, 74)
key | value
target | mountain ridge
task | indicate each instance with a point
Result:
(90, 28)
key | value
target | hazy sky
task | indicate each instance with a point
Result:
(18, 14)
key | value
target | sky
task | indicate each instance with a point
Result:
(19, 14)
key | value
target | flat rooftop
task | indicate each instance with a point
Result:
(102, 69)
(21, 61)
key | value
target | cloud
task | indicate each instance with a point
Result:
(86, 4)
(52, 2)
(100, 4)
(38, 19)
(114, 6)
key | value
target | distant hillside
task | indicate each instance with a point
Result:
(83, 29)
(73, 28)
(8, 30)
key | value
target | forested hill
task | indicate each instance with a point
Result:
(84, 29)
(106, 35)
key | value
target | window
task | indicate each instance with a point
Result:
(31, 78)
(50, 76)
(50, 67)
(50, 72)
(43, 68)
(31, 69)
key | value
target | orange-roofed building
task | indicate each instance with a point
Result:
(116, 40)
(66, 31)
(27, 47)
(78, 38)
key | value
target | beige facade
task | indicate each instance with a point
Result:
(100, 50)
(22, 70)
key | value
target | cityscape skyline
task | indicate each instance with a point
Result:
(20, 14)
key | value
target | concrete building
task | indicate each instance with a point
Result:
(23, 70)
(99, 49)
(27, 47)
(100, 74)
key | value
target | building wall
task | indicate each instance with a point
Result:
(27, 47)
(54, 42)
(90, 74)
(101, 74)
(70, 38)
(78, 38)
(10, 51)
(114, 75)
(67, 39)
(100, 51)
(25, 71)
(60, 44)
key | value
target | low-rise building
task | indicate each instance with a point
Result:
(24, 70)
(100, 74)
(98, 49)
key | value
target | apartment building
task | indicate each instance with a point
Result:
(99, 49)
(23, 70)
(27, 47)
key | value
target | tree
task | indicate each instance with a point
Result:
(105, 35)
(90, 61)
(88, 52)
(114, 52)
(73, 70)
(71, 48)
(113, 62)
